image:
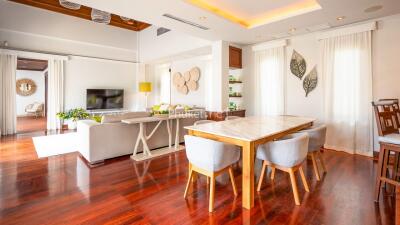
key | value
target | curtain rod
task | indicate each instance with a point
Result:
(68, 55)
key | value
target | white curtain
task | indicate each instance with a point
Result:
(346, 69)
(55, 94)
(162, 82)
(270, 81)
(8, 118)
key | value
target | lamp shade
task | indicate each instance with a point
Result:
(145, 87)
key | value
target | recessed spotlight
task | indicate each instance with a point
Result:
(292, 30)
(340, 18)
(373, 8)
(202, 18)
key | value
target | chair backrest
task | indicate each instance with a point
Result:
(210, 155)
(232, 117)
(387, 115)
(316, 136)
(198, 122)
(288, 151)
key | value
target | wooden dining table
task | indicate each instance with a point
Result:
(248, 133)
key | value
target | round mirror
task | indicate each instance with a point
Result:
(25, 87)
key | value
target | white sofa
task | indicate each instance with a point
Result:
(112, 138)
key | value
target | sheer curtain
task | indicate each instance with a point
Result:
(269, 81)
(55, 92)
(346, 68)
(8, 118)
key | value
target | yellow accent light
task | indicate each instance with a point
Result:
(273, 15)
(145, 87)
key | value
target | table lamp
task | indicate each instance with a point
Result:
(145, 87)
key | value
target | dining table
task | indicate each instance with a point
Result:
(248, 133)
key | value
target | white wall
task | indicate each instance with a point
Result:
(153, 47)
(82, 74)
(38, 96)
(385, 65)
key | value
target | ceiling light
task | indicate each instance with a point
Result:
(340, 18)
(292, 30)
(373, 8)
(202, 18)
(69, 5)
(99, 16)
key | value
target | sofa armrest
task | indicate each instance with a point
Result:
(84, 135)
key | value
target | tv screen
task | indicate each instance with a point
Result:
(104, 99)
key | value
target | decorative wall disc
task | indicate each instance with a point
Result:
(184, 89)
(186, 75)
(192, 85)
(25, 87)
(195, 74)
(180, 81)
(175, 78)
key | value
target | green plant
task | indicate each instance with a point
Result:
(96, 118)
(74, 114)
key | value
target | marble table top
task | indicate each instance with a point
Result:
(252, 128)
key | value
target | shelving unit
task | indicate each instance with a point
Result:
(236, 88)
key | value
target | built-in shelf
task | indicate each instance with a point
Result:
(235, 82)
(235, 96)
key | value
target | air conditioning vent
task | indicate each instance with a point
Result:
(186, 21)
(162, 30)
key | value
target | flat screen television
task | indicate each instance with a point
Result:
(104, 99)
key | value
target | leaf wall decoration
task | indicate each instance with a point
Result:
(310, 81)
(298, 65)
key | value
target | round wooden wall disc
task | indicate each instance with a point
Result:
(175, 78)
(192, 85)
(195, 74)
(183, 90)
(186, 75)
(180, 81)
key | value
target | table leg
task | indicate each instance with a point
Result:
(177, 134)
(142, 137)
(248, 175)
(169, 134)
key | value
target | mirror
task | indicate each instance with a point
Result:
(25, 87)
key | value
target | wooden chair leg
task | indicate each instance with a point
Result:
(379, 173)
(232, 181)
(272, 173)
(303, 179)
(315, 166)
(321, 161)
(294, 186)
(264, 166)
(212, 191)
(188, 184)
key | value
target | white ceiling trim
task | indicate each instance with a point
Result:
(348, 30)
(269, 44)
(33, 55)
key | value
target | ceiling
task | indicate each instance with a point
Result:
(223, 28)
(31, 64)
(84, 12)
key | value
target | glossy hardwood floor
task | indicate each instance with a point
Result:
(63, 190)
(29, 124)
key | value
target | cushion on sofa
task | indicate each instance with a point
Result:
(115, 118)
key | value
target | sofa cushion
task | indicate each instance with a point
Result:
(116, 118)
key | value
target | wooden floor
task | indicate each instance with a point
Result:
(63, 190)
(29, 124)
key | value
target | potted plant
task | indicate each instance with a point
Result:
(72, 116)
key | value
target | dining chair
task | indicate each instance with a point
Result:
(232, 117)
(387, 116)
(316, 135)
(198, 122)
(286, 154)
(210, 158)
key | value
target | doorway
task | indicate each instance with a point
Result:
(31, 96)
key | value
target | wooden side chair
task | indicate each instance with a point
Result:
(316, 142)
(210, 158)
(388, 122)
(286, 154)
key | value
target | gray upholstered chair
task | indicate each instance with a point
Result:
(316, 136)
(198, 122)
(210, 158)
(232, 117)
(286, 154)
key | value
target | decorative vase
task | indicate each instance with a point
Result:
(71, 124)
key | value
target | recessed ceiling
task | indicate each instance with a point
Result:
(221, 28)
(258, 12)
(84, 12)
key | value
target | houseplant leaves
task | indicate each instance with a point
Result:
(298, 65)
(310, 81)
